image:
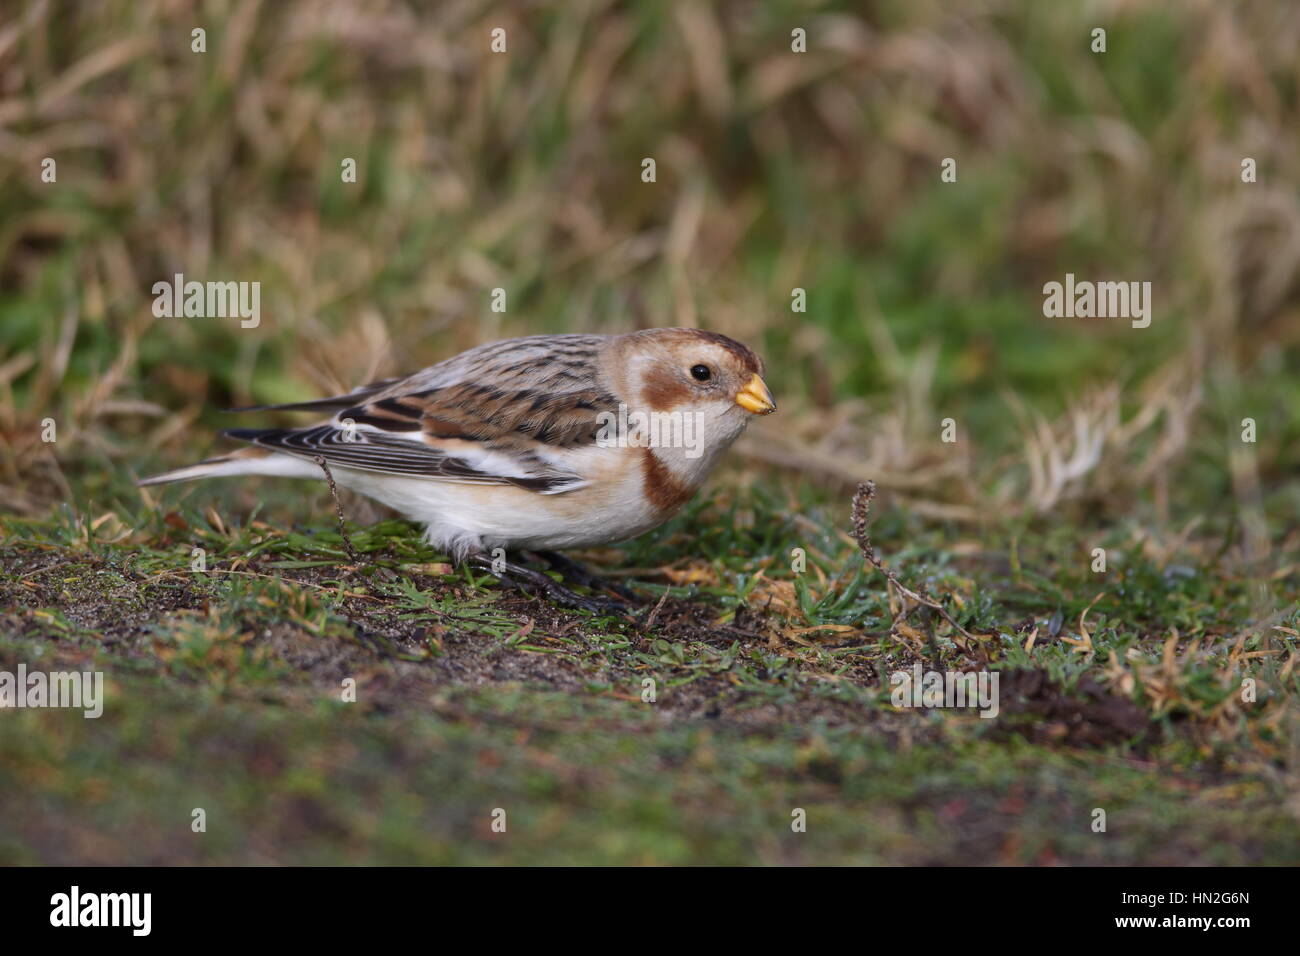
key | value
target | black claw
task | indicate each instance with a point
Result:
(575, 573)
(537, 583)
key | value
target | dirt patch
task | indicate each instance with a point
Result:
(1043, 711)
(404, 658)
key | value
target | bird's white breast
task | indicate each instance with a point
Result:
(463, 517)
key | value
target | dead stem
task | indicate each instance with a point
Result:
(338, 510)
(861, 511)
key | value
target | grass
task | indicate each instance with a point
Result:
(770, 655)
(227, 693)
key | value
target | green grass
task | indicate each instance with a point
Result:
(226, 693)
(590, 782)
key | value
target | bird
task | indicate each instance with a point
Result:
(542, 443)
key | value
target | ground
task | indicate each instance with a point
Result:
(226, 692)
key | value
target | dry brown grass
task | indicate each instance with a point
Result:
(520, 171)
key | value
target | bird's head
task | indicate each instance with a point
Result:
(700, 389)
(678, 369)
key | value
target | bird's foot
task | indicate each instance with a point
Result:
(526, 579)
(575, 573)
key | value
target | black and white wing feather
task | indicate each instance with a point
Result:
(499, 414)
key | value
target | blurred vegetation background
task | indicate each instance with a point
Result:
(776, 170)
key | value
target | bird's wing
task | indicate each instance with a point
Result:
(501, 414)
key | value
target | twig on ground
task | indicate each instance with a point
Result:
(861, 511)
(338, 509)
(654, 613)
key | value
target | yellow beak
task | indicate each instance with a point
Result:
(755, 397)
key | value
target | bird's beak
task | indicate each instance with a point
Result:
(755, 397)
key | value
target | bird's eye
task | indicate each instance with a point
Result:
(700, 373)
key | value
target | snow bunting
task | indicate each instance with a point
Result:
(536, 443)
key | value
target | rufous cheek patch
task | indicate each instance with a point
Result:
(665, 390)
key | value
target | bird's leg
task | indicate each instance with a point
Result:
(575, 573)
(512, 574)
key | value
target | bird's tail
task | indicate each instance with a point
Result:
(246, 461)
